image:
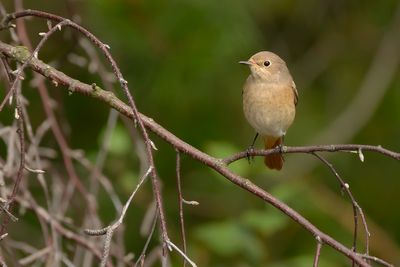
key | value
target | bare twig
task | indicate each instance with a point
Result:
(18, 73)
(102, 154)
(58, 134)
(58, 227)
(317, 252)
(28, 57)
(3, 236)
(180, 199)
(19, 116)
(96, 65)
(375, 259)
(109, 230)
(356, 207)
(172, 245)
(104, 48)
(146, 245)
(35, 256)
(104, 181)
(8, 213)
(61, 141)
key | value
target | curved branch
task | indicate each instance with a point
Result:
(354, 148)
(218, 165)
(104, 48)
(356, 207)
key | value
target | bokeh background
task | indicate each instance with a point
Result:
(181, 61)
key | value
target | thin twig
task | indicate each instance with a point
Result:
(96, 65)
(43, 213)
(104, 48)
(170, 244)
(103, 151)
(45, 98)
(60, 139)
(356, 207)
(109, 230)
(375, 259)
(19, 116)
(35, 256)
(3, 236)
(4, 208)
(104, 181)
(180, 200)
(27, 59)
(317, 252)
(146, 245)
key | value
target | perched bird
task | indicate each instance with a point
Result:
(269, 101)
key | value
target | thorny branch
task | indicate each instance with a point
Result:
(20, 55)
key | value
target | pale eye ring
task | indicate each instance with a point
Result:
(267, 63)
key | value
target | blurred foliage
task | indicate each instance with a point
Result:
(180, 58)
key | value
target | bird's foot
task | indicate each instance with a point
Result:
(282, 150)
(249, 154)
(280, 147)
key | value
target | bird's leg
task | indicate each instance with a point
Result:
(281, 145)
(250, 149)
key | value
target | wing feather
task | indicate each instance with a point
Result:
(296, 94)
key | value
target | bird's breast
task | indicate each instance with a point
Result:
(269, 107)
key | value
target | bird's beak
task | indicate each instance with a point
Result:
(246, 62)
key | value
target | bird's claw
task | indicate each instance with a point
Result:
(249, 154)
(281, 148)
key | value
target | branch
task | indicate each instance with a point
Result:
(45, 98)
(109, 230)
(218, 165)
(317, 253)
(19, 116)
(104, 48)
(180, 202)
(29, 204)
(377, 260)
(356, 208)
(353, 148)
(173, 246)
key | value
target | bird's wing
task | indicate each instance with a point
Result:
(296, 94)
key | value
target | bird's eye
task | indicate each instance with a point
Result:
(267, 63)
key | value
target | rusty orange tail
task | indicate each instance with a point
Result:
(274, 161)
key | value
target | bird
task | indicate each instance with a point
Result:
(269, 102)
